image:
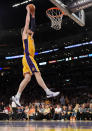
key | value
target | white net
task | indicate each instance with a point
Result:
(55, 15)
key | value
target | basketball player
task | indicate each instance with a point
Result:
(29, 64)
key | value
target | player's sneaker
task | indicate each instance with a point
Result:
(52, 94)
(16, 100)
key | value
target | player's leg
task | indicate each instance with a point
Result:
(22, 86)
(35, 70)
(43, 85)
(27, 77)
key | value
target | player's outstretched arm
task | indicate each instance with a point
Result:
(33, 26)
(27, 22)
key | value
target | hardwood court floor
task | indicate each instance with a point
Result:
(45, 126)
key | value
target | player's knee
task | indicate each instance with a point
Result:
(28, 77)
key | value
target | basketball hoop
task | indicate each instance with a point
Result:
(55, 14)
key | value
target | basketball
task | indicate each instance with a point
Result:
(32, 8)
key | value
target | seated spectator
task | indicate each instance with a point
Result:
(76, 111)
(82, 112)
(5, 113)
(40, 110)
(20, 113)
(64, 113)
(52, 112)
(89, 113)
(57, 115)
(31, 113)
(46, 112)
(26, 110)
(5, 110)
(69, 112)
(10, 112)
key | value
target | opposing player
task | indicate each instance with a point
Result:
(29, 64)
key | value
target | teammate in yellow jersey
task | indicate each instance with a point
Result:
(29, 64)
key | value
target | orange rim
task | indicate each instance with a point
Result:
(54, 8)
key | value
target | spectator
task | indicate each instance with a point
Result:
(82, 112)
(76, 111)
(6, 113)
(64, 113)
(89, 114)
(69, 112)
(20, 113)
(31, 113)
(41, 109)
(26, 110)
(46, 112)
(57, 115)
(52, 111)
(14, 109)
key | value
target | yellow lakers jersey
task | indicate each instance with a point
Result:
(29, 47)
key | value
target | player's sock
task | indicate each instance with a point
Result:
(18, 95)
(48, 91)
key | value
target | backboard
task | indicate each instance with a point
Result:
(79, 19)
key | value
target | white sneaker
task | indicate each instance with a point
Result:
(53, 94)
(16, 100)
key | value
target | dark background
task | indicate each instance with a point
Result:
(78, 72)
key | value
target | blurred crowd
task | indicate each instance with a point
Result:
(64, 109)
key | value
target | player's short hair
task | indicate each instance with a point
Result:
(22, 29)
